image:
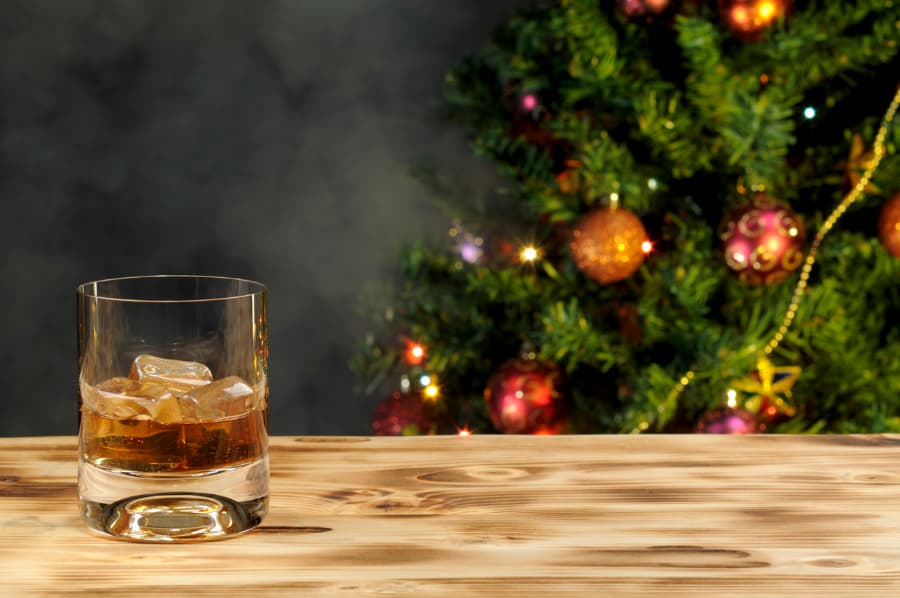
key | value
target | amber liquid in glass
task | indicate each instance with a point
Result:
(145, 445)
(173, 397)
(181, 465)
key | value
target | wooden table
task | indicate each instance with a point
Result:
(491, 515)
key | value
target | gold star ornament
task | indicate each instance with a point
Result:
(859, 160)
(768, 390)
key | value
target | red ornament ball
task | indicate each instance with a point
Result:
(763, 241)
(747, 19)
(608, 244)
(726, 420)
(889, 224)
(403, 414)
(523, 397)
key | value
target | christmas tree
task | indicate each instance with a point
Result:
(703, 235)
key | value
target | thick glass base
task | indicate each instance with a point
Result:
(207, 505)
(174, 517)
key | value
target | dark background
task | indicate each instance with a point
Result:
(261, 139)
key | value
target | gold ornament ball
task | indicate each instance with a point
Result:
(607, 244)
(747, 19)
(889, 224)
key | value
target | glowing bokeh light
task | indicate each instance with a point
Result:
(415, 353)
(732, 398)
(767, 11)
(529, 102)
(432, 391)
(470, 252)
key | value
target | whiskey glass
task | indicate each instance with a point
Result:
(173, 394)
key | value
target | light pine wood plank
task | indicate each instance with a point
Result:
(703, 516)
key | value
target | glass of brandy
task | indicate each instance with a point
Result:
(173, 427)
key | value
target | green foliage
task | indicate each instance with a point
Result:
(570, 339)
(679, 121)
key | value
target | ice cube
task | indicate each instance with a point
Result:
(228, 397)
(171, 372)
(124, 398)
(110, 398)
(118, 386)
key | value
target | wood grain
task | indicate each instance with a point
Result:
(646, 516)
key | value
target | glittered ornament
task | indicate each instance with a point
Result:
(609, 244)
(403, 414)
(524, 397)
(725, 420)
(747, 19)
(643, 8)
(889, 224)
(763, 241)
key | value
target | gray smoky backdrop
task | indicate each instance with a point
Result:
(271, 140)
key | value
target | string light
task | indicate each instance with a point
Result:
(464, 431)
(529, 102)
(415, 353)
(432, 391)
(425, 380)
(732, 397)
(809, 113)
(750, 17)
(767, 11)
(529, 253)
(471, 251)
(647, 247)
(470, 247)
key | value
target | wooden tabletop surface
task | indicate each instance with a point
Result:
(699, 516)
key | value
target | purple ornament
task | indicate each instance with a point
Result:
(726, 420)
(470, 251)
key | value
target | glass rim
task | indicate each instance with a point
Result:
(86, 290)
